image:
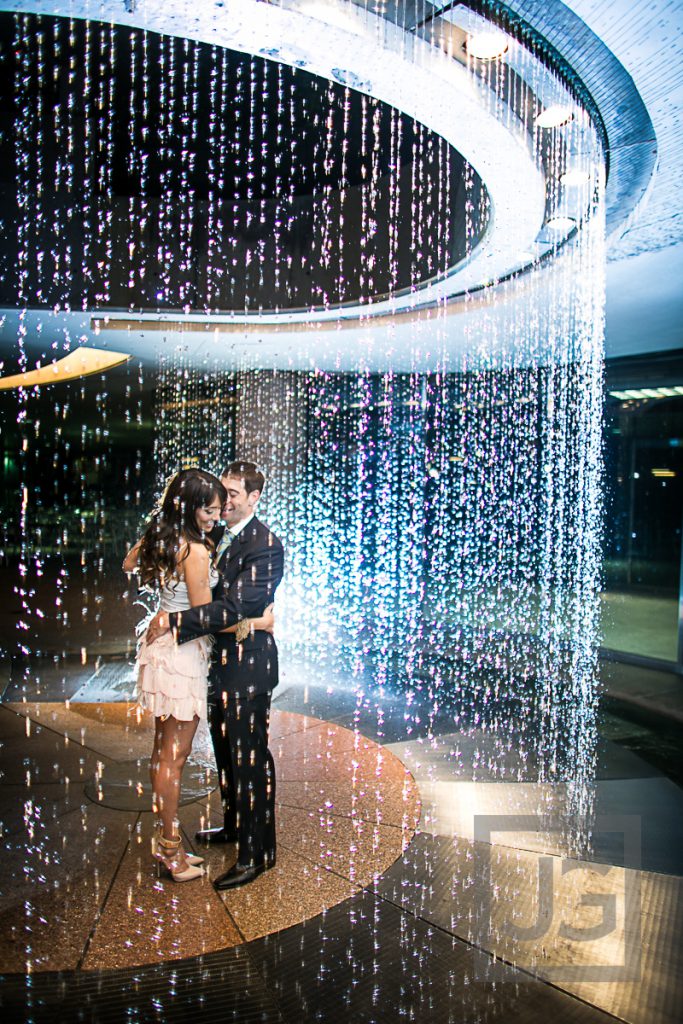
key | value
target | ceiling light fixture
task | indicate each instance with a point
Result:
(575, 177)
(638, 393)
(487, 45)
(554, 116)
(560, 223)
(80, 363)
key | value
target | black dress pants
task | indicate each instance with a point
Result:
(239, 731)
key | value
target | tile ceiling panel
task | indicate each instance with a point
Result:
(646, 36)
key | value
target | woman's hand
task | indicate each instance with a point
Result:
(157, 627)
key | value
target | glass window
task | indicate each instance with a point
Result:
(644, 508)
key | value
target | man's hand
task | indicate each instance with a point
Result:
(157, 627)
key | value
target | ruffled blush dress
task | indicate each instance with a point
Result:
(172, 678)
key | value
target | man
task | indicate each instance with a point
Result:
(243, 674)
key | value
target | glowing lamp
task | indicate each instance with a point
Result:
(488, 45)
(554, 116)
(560, 223)
(574, 177)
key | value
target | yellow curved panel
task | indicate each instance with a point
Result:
(80, 363)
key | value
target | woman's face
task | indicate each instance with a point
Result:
(208, 515)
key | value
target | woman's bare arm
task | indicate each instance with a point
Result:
(195, 573)
(195, 569)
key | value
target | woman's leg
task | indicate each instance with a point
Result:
(172, 745)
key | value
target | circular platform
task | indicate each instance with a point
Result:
(79, 856)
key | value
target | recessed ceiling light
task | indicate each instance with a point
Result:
(487, 45)
(640, 393)
(575, 176)
(560, 223)
(554, 116)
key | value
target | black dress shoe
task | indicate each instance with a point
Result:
(237, 875)
(209, 836)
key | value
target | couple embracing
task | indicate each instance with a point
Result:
(216, 586)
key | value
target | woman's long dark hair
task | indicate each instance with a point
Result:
(174, 524)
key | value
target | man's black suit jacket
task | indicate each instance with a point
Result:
(250, 571)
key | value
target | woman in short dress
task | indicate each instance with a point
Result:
(174, 557)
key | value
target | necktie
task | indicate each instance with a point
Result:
(223, 544)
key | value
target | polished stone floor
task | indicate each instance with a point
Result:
(387, 903)
(77, 830)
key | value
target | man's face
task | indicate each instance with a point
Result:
(239, 504)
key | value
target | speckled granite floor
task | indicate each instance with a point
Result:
(76, 850)
(363, 919)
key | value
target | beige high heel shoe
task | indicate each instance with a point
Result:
(191, 858)
(169, 853)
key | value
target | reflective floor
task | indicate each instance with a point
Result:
(642, 624)
(414, 880)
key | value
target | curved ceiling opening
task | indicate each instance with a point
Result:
(172, 175)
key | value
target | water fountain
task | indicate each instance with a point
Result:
(440, 499)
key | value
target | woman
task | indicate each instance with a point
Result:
(173, 556)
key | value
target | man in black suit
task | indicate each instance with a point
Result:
(243, 674)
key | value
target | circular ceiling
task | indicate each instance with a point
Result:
(187, 177)
(248, 169)
(458, 235)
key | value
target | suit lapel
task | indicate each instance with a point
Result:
(229, 562)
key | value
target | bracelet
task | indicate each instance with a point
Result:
(243, 630)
